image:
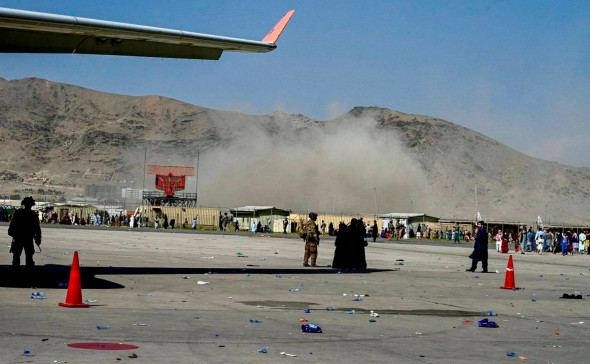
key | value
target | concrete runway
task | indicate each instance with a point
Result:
(143, 285)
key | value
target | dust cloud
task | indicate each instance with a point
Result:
(339, 166)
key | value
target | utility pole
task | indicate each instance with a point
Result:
(143, 179)
(197, 178)
(476, 203)
(375, 195)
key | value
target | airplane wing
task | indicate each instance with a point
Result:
(33, 32)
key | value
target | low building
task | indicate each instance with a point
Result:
(269, 216)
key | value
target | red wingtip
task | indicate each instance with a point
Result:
(276, 31)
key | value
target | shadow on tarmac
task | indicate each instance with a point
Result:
(57, 276)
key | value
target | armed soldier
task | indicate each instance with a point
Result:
(24, 228)
(311, 234)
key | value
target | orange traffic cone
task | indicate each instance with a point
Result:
(509, 280)
(74, 295)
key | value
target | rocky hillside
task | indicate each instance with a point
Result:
(57, 138)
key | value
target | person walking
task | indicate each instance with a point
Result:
(480, 249)
(374, 231)
(499, 241)
(24, 229)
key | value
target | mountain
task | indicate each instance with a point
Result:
(57, 139)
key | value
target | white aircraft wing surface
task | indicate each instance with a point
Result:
(33, 32)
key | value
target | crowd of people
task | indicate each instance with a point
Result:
(541, 241)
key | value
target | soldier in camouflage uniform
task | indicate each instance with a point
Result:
(312, 240)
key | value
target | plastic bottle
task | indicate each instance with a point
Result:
(102, 327)
(27, 351)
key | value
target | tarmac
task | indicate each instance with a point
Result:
(219, 298)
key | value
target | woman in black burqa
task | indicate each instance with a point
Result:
(342, 251)
(358, 244)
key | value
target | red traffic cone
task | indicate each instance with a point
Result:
(509, 280)
(74, 295)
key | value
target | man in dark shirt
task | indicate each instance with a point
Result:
(480, 249)
(24, 228)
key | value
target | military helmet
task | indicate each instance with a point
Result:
(28, 202)
(313, 215)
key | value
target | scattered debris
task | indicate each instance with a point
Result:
(102, 327)
(255, 321)
(202, 283)
(38, 295)
(487, 323)
(311, 328)
(287, 354)
(572, 296)
(263, 350)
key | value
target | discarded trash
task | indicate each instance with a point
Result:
(311, 328)
(90, 301)
(557, 333)
(534, 298)
(38, 295)
(357, 298)
(133, 356)
(492, 313)
(263, 350)
(307, 310)
(373, 314)
(102, 327)
(202, 283)
(572, 296)
(207, 257)
(27, 351)
(522, 357)
(303, 320)
(103, 346)
(372, 320)
(255, 321)
(293, 289)
(466, 322)
(241, 255)
(287, 354)
(418, 333)
(351, 312)
(511, 354)
(140, 324)
(330, 308)
(486, 323)
(186, 277)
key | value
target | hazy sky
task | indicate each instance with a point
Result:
(517, 71)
